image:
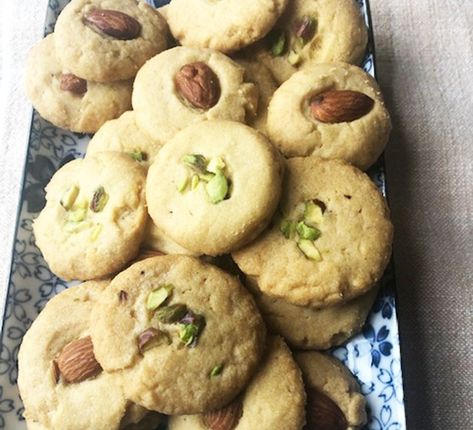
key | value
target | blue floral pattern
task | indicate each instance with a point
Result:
(373, 356)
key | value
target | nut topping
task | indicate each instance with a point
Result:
(198, 84)
(72, 83)
(305, 28)
(113, 23)
(340, 106)
(77, 362)
(224, 419)
(323, 413)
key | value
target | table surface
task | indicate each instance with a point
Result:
(425, 64)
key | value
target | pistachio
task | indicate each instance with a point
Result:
(113, 23)
(226, 418)
(95, 233)
(77, 215)
(306, 232)
(277, 41)
(122, 296)
(182, 185)
(194, 182)
(69, 197)
(190, 328)
(72, 83)
(217, 187)
(313, 213)
(323, 413)
(206, 177)
(293, 58)
(216, 164)
(217, 370)
(196, 162)
(157, 297)
(305, 28)
(288, 228)
(171, 314)
(309, 249)
(99, 200)
(150, 338)
(138, 155)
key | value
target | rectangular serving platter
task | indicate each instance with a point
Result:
(373, 356)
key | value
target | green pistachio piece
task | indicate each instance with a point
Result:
(69, 197)
(216, 164)
(309, 249)
(157, 297)
(206, 177)
(194, 182)
(313, 214)
(190, 327)
(306, 232)
(99, 200)
(95, 233)
(278, 43)
(182, 186)
(196, 162)
(152, 337)
(217, 187)
(77, 215)
(293, 58)
(138, 155)
(288, 228)
(217, 370)
(171, 314)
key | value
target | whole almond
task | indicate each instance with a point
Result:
(336, 106)
(323, 413)
(224, 419)
(77, 362)
(113, 23)
(198, 84)
(72, 83)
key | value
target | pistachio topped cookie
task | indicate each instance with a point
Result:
(214, 186)
(59, 377)
(333, 394)
(332, 110)
(183, 86)
(108, 40)
(226, 25)
(313, 31)
(123, 135)
(331, 240)
(258, 407)
(190, 334)
(69, 101)
(94, 218)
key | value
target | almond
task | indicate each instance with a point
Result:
(224, 419)
(77, 362)
(113, 23)
(72, 83)
(336, 106)
(198, 84)
(323, 413)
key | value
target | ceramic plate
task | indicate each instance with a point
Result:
(373, 356)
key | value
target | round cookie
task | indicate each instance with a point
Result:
(313, 31)
(108, 40)
(123, 135)
(94, 218)
(260, 75)
(225, 26)
(331, 240)
(157, 241)
(66, 100)
(183, 86)
(227, 206)
(54, 395)
(331, 390)
(258, 406)
(207, 321)
(312, 328)
(330, 110)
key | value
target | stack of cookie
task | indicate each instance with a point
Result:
(250, 163)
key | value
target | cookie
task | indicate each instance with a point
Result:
(94, 218)
(156, 240)
(203, 192)
(123, 135)
(56, 390)
(333, 395)
(330, 110)
(108, 40)
(258, 407)
(66, 100)
(178, 321)
(313, 31)
(260, 75)
(312, 328)
(224, 26)
(331, 240)
(183, 86)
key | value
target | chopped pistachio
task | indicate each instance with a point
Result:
(181, 187)
(152, 337)
(157, 297)
(217, 187)
(138, 155)
(195, 161)
(82, 203)
(309, 249)
(95, 233)
(293, 58)
(206, 177)
(313, 214)
(194, 182)
(190, 327)
(77, 215)
(306, 232)
(171, 314)
(288, 228)
(278, 43)
(69, 197)
(216, 164)
(99, 200)
(217, 370)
